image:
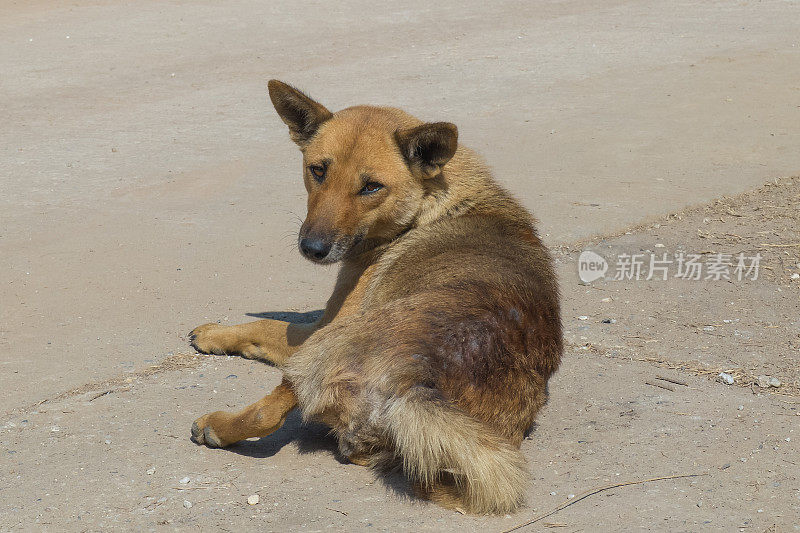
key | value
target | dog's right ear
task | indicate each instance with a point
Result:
(427, 147)
(302, 114)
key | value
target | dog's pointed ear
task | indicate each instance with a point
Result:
(428, 147)
(302, 114)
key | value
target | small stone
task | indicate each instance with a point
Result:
(700, 504)
(55, 429)
(606, 299)
(187, 504)
(553, 493)
(108, 441)
(185, 480)
(762, 381)
(726, 378)
(709, 328)
(795, 276)
(583, 317)
(609, 321)
(659, 245)
(151, 471)
(253, 499)
(774, 382)
(570, 496)
(741, 407)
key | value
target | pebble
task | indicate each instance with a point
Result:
(151, 471)
(553, 493)
(709, 328)
(187, 504)
(583, 317)
(659, 245)
(609, 321)
(795, 276)
(741, 407)
(726, 378)
(774, 382)
(185, 480)
(253, 499)
(606, 300)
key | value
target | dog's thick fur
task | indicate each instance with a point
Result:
(435, 348)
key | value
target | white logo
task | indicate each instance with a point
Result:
(591, 266)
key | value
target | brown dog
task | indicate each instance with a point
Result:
(434, 350)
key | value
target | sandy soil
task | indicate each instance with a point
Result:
(147, 187)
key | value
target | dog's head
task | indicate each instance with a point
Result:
(365, 170)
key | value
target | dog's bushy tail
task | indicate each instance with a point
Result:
(452, 458)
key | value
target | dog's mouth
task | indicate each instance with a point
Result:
(317, 251)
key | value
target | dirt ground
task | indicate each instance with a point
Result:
(148, 187)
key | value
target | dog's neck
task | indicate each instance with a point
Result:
(466, 187)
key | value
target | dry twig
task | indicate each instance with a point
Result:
(595, 491)
(673, 380)
(659, 385)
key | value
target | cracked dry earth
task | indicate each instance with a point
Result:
(116, 454)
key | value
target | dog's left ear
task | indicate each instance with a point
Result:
(302, 114)
(428, 147)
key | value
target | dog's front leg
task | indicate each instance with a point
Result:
(220, 429)
(272, 341)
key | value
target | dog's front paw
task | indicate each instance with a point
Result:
(203, 431)
(224, 340)
(211, 338)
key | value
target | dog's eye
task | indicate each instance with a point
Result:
(370, 187)
(318, 171)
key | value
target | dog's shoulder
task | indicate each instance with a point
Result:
(477, 248)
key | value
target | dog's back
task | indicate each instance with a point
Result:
(483, 310)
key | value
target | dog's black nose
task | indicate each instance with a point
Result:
(315, 249)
